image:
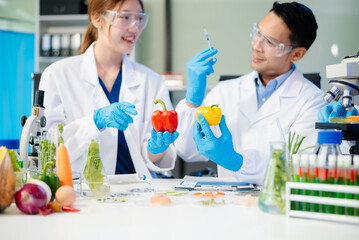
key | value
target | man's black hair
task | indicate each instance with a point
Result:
(300, 21)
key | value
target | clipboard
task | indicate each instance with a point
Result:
(214, 184)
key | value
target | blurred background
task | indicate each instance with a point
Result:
(35, 33)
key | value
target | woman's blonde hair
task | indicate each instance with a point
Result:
(96, 7)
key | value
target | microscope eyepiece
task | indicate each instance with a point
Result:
(39, 98)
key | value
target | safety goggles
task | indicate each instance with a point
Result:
(124, 20)
(271, 45)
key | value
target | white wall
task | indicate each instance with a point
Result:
(17, 15)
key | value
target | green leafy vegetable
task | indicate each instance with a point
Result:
(93, 168)
(294, 146)
(13, 158)
(273, 193)
(47, 152)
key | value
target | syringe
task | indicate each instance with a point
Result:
(206, 34)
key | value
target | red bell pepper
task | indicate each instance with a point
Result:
(164, 120)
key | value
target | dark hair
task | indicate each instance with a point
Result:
(300, 20)
(97, 7)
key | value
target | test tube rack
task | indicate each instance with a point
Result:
(342, 202)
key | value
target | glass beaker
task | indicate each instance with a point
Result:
(47, 149)
(94, 173)
(272, 196)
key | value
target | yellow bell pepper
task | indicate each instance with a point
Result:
(212, 114)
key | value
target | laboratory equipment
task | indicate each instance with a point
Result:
(271, 45)
(272, 198)
(345, 82)
(32, 130)
(329, 143)
(344, 79)
(125, 19)
(206, 34)
(94, 173)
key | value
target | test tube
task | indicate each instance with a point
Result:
(356, 179)
(323, 178)
(304, 163)
(314, 207)
(341, 181)
(332, 178)
(295, 177)
(296, 167)
(349, 180)
(356, 169)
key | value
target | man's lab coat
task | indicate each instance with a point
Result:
(294, 105)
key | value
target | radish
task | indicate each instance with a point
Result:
(30, 198)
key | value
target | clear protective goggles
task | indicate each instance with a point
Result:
(125, 20)
(270, 45)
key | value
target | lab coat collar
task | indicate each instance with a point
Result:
(248, 106)
(91, 70)
(289, 89)
(90, 75)
(247, 101)
(129, 73)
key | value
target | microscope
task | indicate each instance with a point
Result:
(32, 131)
(344, 81)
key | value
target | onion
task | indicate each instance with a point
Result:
(43, 185)
(30, 198)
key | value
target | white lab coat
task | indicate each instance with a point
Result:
(73, 92)
(295, 104)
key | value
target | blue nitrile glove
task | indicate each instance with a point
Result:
(334, 110)
(219, 150)
(198, 68)
(160, 141)
(115, 115)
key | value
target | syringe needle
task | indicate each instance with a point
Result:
(206, 34)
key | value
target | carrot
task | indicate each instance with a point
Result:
(64, 167)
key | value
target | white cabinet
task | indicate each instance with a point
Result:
(57, 34)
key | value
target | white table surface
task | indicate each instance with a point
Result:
(185, 218)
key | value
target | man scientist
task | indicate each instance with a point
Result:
(258, 108)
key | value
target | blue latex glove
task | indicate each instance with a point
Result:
(115, 115)
(219, 150)
(334, 110)
(198, 68)
(159, 142)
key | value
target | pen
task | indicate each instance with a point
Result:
(206, 34)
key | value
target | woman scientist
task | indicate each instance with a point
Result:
(102, 95)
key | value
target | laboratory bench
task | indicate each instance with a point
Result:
(184, 218)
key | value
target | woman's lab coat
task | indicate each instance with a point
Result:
(294, 104)
(73, 92)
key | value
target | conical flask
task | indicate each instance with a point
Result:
(94, 173)
(272, 196)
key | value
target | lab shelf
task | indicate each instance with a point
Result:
(67, 17)
(58, 25)
(333, 201)
(50, 59)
